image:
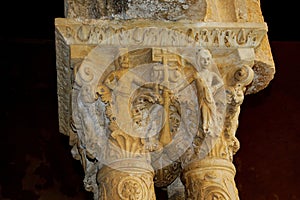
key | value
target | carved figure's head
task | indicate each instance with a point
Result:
(123, 61)
(204, 58)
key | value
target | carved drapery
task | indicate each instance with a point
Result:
(156, 103)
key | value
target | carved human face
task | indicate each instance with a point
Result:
(124, 61)
(204, 58)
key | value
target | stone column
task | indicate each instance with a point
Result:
(130, 183)
(210, 179)
(126, 179)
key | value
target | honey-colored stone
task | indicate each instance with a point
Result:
(149, 92)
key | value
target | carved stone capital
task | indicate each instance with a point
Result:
(153, 97)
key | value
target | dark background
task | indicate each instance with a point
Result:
(36, 162)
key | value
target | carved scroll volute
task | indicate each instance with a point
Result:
(88, 135)
(237, 81)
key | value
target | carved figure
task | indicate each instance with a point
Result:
(123, 83)
(207, 85)
(207, 82)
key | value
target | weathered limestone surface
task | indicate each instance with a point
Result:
(149, 92)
